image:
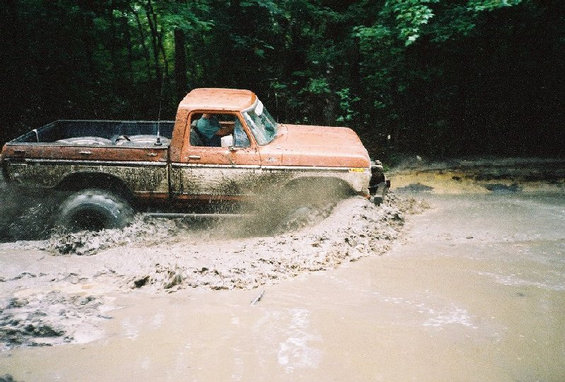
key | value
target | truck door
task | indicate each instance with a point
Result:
(213, 172)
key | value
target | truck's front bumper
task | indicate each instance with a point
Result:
(378, 185)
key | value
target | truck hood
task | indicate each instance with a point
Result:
(320, 146)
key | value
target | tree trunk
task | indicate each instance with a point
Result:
(181, 80)
(152, 22)
(142, 42)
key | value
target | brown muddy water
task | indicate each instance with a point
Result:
(474, 290)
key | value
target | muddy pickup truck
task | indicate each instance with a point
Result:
(110, 169)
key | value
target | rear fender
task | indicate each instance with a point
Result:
(81, 181)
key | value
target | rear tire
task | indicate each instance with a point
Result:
(94, 210)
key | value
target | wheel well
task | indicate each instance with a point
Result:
(81, 181)
(328, 185)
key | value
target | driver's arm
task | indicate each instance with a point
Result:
(225, 130)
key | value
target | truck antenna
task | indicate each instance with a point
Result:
(158, 142)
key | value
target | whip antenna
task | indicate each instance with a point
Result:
(158, 142)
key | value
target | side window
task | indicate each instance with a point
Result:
(195, 136)
(208, 129)
(240, 138)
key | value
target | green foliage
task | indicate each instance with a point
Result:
(489, 5)
(318, 86)
(346, 105)
(409, 16)
(439, 77)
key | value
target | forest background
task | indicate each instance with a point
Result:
(430, 77)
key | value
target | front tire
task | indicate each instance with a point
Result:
(305, 203)
(94, 210)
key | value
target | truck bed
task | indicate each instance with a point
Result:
(100, 133)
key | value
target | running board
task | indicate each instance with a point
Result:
(173, 215)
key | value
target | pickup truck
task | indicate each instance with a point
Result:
(111, 169)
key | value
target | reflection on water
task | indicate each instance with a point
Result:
(475, 292)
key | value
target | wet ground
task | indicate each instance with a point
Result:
(472, 288)
(56, 291)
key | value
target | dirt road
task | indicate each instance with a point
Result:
(472, 288)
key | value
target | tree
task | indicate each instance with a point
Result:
(439, 77)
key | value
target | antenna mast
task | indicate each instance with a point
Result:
(158, 143)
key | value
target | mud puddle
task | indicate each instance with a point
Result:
(475, 290)
(472, 176)
(56, 290)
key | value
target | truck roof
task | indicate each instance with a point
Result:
(218, 99)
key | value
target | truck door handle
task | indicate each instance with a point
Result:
(19, 152)
(85, 152)
(151, 154)
(194, 157)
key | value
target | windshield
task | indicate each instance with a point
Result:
(262, 125)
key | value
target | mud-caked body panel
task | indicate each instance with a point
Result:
(247, 181)
(139, 177)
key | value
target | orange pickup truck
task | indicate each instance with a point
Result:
(114, 168)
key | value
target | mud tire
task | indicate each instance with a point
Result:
(94, 210)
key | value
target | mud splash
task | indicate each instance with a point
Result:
(58, 293)
(47, 319)
(173, 254)
(25, 215)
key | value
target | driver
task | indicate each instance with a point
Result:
(211, 131)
